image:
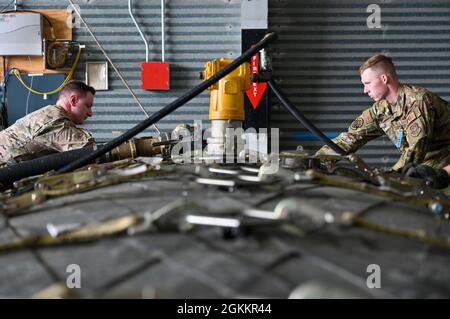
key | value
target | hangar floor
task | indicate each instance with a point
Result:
(219, 231)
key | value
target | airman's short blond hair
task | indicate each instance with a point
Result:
(380, 64)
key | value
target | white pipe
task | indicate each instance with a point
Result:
(139, 29)
(162, 30)
(15, 5)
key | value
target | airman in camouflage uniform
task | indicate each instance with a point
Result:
(416, 120)
(44, 131)
(50, 129)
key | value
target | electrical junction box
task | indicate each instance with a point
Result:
(21, 34)
(155, 76)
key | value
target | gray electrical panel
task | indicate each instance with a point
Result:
(20, 34)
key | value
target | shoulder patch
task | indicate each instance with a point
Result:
(415, 129)
(359, 122)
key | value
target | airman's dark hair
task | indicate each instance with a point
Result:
(77, 86)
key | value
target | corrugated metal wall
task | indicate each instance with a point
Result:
(323, 43)
(196, 31)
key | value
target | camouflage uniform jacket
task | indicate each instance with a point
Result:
(418, 125)
(42, 132)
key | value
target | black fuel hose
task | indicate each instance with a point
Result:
(41, 165)
(302, 119)
(155, 117)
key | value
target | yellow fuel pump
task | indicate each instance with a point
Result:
(227, 101)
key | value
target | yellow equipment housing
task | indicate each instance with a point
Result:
(227, 95)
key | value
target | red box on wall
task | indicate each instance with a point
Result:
(155, 75)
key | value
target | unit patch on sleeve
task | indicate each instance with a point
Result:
(359, 122)
(415, 130)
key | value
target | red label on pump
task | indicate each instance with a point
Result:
(256, 91)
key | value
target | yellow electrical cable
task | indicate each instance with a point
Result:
(68, 78)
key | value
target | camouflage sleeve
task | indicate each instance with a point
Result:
(361, 131)
(65, 136)
(419, 127)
